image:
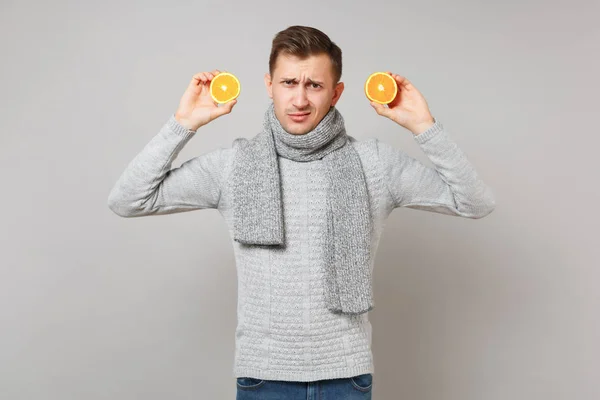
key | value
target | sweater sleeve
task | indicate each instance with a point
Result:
(452, 187)
(148, 185)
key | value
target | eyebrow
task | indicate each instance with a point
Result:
(296, 80)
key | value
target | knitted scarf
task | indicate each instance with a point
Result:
(257, 202)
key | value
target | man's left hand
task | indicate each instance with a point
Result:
(408, 109)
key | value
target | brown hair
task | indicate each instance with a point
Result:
(305, 41)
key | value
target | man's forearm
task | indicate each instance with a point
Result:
(142, 176)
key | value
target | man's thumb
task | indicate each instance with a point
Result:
(381, 109)
(227, 107)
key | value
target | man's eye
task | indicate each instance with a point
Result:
(316, 85)
(288, 82)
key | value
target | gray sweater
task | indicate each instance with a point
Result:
(284, 331)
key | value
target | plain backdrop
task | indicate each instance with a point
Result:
(94, 306)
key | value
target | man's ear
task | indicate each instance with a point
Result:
(337, 92)
(269, 84)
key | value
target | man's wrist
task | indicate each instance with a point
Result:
(185, 123)
(422, 126)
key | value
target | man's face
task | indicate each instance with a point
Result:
(302, 90)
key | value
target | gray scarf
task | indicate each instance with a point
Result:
(257, 204)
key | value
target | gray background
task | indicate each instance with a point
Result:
(94, 306)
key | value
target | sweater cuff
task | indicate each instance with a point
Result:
(179, 129)
(433, 130)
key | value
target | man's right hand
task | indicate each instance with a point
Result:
(197, 107)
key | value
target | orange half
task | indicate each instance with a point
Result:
(224, 87)
(381, 87)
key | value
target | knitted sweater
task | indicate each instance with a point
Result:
(284, 331)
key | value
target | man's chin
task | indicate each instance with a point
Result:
(297, 130)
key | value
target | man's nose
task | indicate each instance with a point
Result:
(300, 98)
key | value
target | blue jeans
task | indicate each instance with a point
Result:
(353, 388)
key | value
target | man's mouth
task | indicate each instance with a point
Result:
(299, 117)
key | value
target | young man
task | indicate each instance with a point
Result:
(305, 205)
